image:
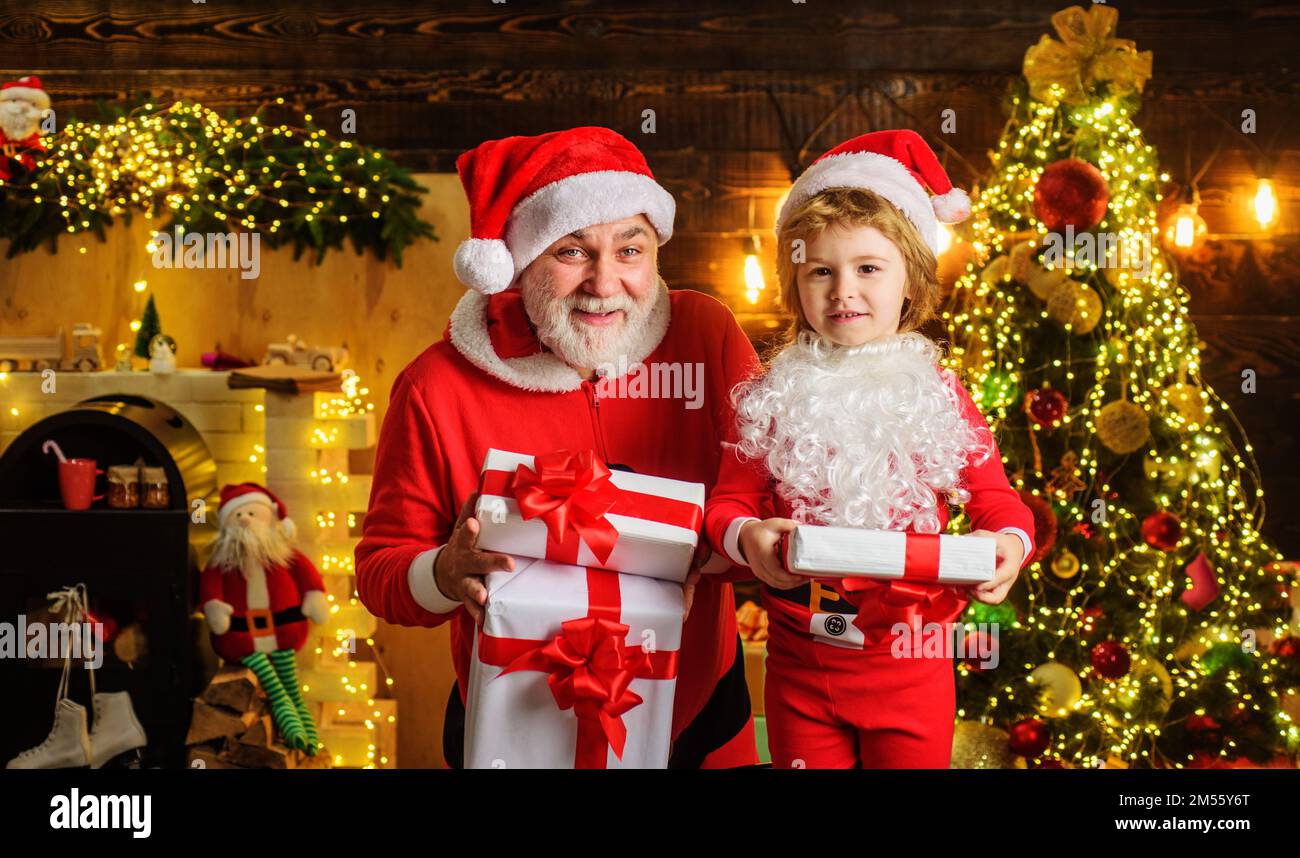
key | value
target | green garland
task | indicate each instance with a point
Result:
(187, 165)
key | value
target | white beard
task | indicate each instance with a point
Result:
(251, 548)
(18, 119)
(860, 436)
(581, 345)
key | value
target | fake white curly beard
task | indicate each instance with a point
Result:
(860, 436)
(255, 544)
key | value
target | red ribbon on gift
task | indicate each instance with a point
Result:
(572, 492)
(589, 668)
(882, 604)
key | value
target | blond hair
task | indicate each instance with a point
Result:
(859, 207)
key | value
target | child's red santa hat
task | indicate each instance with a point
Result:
(235, 496)
(899, 166)
(527, 192)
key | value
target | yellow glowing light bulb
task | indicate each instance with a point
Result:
(753, 278)
(1265, 203)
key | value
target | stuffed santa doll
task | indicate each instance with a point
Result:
(22, 104)
(257, 593)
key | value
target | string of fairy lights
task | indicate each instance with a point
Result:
(1144, 346)
(187, 164)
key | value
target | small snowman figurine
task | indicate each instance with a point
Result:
(162, 355)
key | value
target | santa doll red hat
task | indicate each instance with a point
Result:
(527, 192)
(235, 496)
(899, 166)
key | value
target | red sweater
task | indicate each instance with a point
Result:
(486, 385)
(744, 490)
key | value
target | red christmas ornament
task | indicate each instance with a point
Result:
(1287, 647)
(1046, 405)
(1090, 620)
(1071, 193)
(1028, 737)
(979, 647)
(1162, 529)
(1205, 586)
(1111, 659)
(1044, 523)
(1204, 730)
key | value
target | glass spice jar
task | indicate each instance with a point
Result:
(123, 487)
(154, 488)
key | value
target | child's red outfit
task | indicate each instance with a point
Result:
(835, 699)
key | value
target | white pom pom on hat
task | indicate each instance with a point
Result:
(526, 192)
(484, 264)
(896, 164)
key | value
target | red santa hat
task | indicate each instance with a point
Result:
(26, 89)
(527, 192)
(234, 496)
(899, 166)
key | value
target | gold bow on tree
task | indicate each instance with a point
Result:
(1088, 54)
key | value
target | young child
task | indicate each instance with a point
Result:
(855, 424)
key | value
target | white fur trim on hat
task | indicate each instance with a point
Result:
(37, 97)
(583, 200)
(952, 207)
(871, 171)
(228, 508)
(484, 265)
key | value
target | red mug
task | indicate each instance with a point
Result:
(77, 483)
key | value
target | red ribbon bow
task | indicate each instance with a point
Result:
(589, 672)
(571, 492)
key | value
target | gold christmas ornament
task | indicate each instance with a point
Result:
(995, 271)
(1087, 54)
(982, 746)
(1065, 564)
(1072, 303)
(1059, 688)
(1188, 401)
(1122, 426)
(1023, 265)
(1044, 282)
(1145, 672)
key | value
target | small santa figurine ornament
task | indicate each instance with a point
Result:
(257, 593)
(22, 104)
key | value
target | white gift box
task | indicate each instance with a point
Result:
(646, 545)
(512, 717)
(833, 552)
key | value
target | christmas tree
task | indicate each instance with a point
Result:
(1151, 627)
(149, 328)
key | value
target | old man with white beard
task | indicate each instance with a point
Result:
(565, 297)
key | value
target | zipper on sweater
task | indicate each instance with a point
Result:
(593, 401)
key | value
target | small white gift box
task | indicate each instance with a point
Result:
(567, 507)
(939, 558)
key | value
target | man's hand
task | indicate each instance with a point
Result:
(460, 566)
(1011, 551)
(758, 543)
